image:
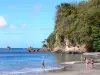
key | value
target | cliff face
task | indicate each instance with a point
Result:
(77, 27)
(78, 48)
(81, 48)
(70, 48)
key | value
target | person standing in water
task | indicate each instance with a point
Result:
(43, 66)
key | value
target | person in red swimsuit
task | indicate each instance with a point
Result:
(92, 62)
(43, 66)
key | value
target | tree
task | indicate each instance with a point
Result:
(79, 23)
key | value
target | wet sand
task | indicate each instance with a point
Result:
(75, 69)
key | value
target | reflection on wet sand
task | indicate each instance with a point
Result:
(67, 57)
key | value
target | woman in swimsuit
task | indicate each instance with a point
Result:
(43, 66)
(92, 63)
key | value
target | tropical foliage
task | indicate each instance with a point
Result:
(79, 23)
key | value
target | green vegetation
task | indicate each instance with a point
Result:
(44, 43)
(79, 23)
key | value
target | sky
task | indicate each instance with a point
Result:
(25, 23)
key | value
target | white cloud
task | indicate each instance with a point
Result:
(3, 23)
(23, 25)
(12, 27)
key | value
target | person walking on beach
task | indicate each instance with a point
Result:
(43, 66)
(84, 59)
(86, 62)
(92, 62)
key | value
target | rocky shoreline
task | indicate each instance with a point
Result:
(70, 49)
(79, 49)
(59, 50)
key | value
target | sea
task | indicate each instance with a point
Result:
(19, 61)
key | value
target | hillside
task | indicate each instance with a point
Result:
(76, 26)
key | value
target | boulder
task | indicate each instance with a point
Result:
(30, 49)
(8, 47)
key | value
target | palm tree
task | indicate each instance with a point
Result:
(43, 42)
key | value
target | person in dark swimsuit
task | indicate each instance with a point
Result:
(43, 66)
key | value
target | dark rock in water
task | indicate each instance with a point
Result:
(30, 49)
(8, 47)
(38, 50)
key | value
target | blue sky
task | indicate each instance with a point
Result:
(26, 23)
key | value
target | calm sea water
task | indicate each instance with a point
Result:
(18, 60)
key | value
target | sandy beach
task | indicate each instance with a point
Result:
(75, 69)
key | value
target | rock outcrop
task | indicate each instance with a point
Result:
(30, 49)
(70, 50)
(58, 50)
(43, 50)
(79, 48)
(8, 47)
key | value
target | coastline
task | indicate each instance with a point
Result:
(77, 68)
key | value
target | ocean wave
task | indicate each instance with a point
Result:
(34, 70)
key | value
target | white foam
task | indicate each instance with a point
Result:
(32, 70)
(72, 62)
(68, 63)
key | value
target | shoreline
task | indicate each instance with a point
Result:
(73, 69)
(77, 68)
